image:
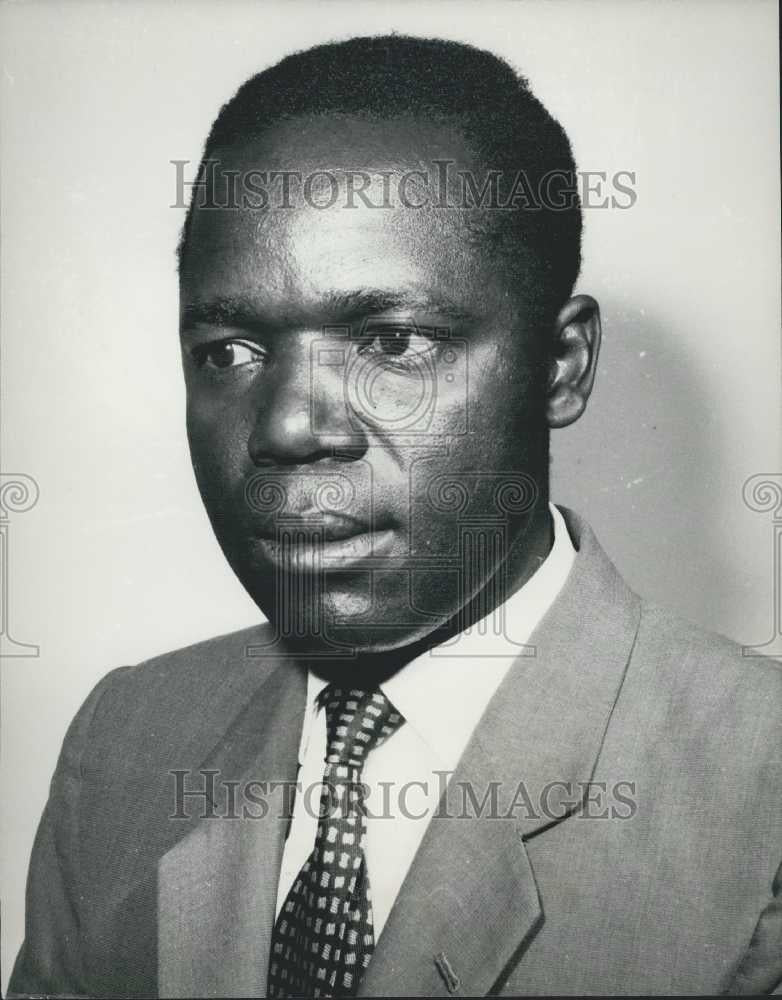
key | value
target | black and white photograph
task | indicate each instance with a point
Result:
(390, 498)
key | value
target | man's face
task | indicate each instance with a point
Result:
(365, 412)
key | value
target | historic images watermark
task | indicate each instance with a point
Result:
(18, 494)
(441, 185)
(480, 505)
(763, 493)
(208, 794)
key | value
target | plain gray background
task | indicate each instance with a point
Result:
(116, 561)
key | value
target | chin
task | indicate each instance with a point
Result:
(370, 639)
(343, 638)
(357, 614)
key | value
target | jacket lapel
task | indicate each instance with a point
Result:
(469, 904)
(217, 885)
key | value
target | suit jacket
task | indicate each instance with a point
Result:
(681, 896)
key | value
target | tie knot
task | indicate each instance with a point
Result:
(356, 722)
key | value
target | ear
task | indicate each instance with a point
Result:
(573, 363)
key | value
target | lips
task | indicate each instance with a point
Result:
(328, 525)
(317, 540)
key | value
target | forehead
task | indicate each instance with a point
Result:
(292, 251)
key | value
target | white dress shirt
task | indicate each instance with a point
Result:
(442, 695)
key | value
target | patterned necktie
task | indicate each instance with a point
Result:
(323, 939)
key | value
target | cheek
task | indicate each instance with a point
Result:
(507, 401)
(489, 475)
(217, 449)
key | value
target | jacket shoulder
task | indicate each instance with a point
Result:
(702, 682)
(175, 693)
(195, 663)
(668, 637)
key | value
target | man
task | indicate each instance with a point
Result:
(463, 757)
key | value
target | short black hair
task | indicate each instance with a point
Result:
(386, 76)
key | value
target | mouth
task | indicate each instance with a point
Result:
(322, 541)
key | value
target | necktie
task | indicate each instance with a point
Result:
(323, 939)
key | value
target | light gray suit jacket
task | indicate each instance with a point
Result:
(681, 896)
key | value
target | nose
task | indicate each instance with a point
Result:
(300, 411)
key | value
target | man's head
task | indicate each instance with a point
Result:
(377, 335)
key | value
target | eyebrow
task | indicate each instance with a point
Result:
(233, 311)
(366, 301)
(220, 311)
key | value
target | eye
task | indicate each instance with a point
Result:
(402, 341)
(225, 354)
